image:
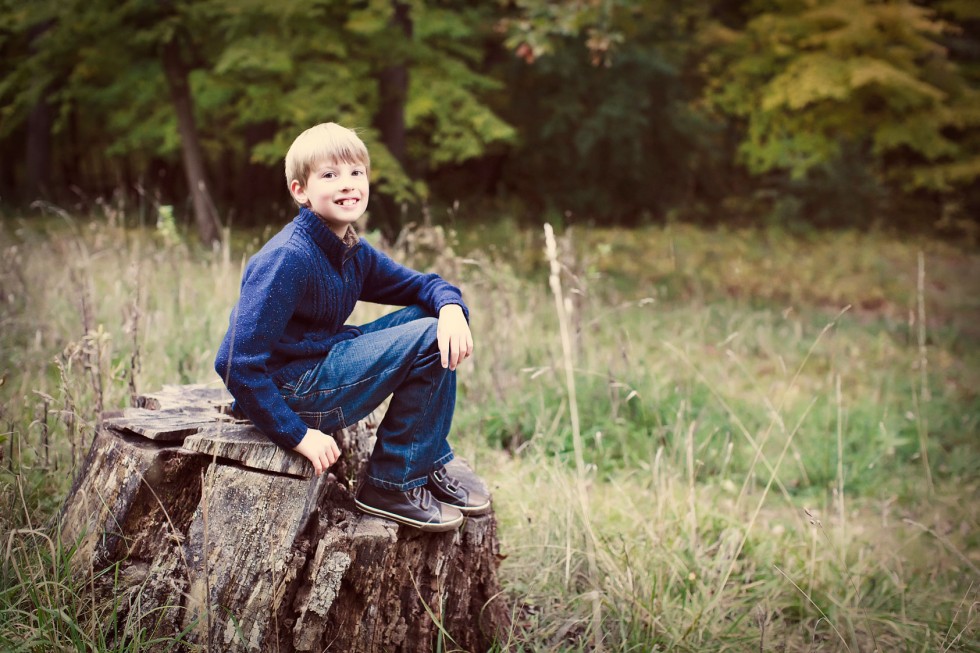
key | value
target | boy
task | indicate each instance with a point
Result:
(299, 373)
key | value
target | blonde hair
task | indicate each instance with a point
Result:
(327, 141)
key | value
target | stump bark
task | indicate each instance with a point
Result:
(201, 528)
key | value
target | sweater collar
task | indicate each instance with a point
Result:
(336, 250)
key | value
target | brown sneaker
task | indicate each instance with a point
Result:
(415, 508)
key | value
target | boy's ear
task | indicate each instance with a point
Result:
(298, 192)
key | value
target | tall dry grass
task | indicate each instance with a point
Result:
(692, 444)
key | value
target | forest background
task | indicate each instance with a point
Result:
(738, 408)
(623, 112)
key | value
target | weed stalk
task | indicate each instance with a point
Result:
(925, 395)
(554, 280)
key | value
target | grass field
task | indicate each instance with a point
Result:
(768, 442)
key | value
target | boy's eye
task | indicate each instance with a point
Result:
(329, 174)
(357, 172)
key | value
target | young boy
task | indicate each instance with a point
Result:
(299, 373)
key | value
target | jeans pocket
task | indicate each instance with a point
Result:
(329, 421)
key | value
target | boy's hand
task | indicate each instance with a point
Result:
(455, 339)
(321, 450)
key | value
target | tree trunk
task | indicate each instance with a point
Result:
(39, 123)
(208, 225)
(38, 159)
(390, 120)
(393, 88)
(216, 532)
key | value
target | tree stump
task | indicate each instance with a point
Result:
(201, 527)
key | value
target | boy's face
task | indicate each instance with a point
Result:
(336, 191)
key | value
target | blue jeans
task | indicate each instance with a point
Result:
(397, 355)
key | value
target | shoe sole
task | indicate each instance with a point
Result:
(429, 527)
(470, 511)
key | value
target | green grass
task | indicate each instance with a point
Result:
(768, 465)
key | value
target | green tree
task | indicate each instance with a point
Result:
(814, 83)
(170, 30)
(33, 66)
(106, 69)
(226, 85)
(603, 97)
(404, 74)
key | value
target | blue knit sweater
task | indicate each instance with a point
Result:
(297, 292)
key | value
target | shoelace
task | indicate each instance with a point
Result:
(451, 483)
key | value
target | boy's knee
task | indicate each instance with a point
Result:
(428, 334)
(431, 327)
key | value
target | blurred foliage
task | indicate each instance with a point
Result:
(811, 80)
(618, 140)
(828, 112)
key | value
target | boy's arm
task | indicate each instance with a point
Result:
(271, 289)
(388, 282)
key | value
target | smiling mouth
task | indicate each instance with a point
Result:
(347, 201)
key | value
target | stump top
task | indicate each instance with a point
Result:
(199, 418)
(247, 445)
(200, 396)
(171, 425)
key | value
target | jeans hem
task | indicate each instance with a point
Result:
(398, 487)
(408, 485)
(442, 461)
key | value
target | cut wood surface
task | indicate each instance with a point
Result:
(163, 425)
(202, 526)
